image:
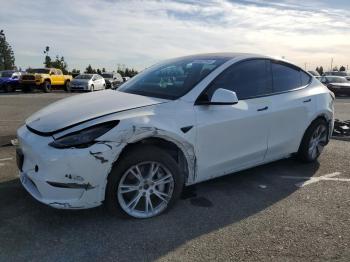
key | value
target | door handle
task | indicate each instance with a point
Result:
(263, 109)
(307, 101)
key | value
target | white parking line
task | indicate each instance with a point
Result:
(6, 159)
(310, 180)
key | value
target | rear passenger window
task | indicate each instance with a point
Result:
(305, 78)
(248, 79)
(285, 78)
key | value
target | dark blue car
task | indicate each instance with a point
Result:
(9, 80)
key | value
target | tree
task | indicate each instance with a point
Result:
(103, 70)
(98, 71)
(335, 68)
(60, 64)
(342, 68)
(320, 70)
(7, 57)
(90, 70)
(47, 61)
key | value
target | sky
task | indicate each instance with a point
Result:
(108, 33)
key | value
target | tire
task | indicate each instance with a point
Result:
(314, 140)
(143, 156)
(47, 86)
(67, 86)
(92, 88)
(8, 88)
(104, 87)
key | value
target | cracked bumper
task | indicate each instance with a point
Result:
(64, 178)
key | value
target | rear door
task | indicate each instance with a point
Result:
(292, 108)
(233, 137)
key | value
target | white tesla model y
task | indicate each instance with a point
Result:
(177, 123)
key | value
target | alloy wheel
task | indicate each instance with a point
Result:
(145, 189)
(318, 141)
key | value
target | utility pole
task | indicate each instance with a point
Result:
(331, 64)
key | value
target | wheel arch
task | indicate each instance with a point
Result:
(182, 152)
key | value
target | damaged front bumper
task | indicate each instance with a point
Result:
(65, 178)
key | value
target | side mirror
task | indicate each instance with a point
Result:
(223, 97)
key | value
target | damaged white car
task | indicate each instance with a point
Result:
(175, 124)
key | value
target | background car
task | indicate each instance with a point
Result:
(338, 73)
(44, 79)
(88, 82)
(337, 84)
(113, 80)
(9, 80)
(314, 73)
(126, 78)
(178, 123)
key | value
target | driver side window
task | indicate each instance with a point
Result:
(249, 79)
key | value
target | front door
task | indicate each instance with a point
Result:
(234, 137)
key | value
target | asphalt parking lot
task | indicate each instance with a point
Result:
(283, 211)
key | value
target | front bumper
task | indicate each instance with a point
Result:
(64, 178)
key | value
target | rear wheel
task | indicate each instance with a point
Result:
(92, 88)
(144, 184)
(47, 86)
(314, 141)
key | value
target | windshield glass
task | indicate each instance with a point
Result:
(337, 80)
(83, 77)
(39, 71)
(107, 75)
(172, 79)
(6, 74)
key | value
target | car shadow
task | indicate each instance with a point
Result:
(31, 230)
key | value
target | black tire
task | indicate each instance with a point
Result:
(67, 87)
(303, 153)
(92, 88)
(8, 88)
(47, 86)
(138, 155)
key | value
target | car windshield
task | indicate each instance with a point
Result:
(173, 78)
(6, 74)
(39, 71)
(83, 77)
(337, 80)
(107, 75)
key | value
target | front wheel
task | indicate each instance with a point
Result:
(47, 86)
(144, 184)
(8, 88)
(67, 87)
(92, 88)
(314, 140)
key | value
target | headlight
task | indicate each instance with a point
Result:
(83, 138)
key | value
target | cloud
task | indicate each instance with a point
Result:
(140, 33)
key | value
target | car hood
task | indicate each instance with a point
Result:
(81, 108)
(340, 84)
(80, 81)
(4, 79)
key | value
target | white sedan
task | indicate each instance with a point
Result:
(88, 82)
(175, 124)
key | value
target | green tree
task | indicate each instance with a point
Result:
(47, 60)
(7, 57)
(320, 70)
(342, 68)
(98, 71)
(103, 70)
(90, 70)
(60, 64)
